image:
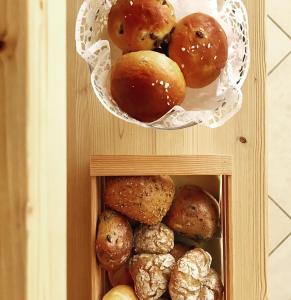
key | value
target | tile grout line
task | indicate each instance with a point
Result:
(279, 206)
(282, 242)
(279, 63)
(278, 25)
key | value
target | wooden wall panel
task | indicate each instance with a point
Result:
(92, 130)
(32, 150)
(13, 165)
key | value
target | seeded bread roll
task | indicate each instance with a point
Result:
(114, 240)
(143, 198)
(151, 273)
(192, 278)
(194, 213)
(155, 239)
(146, 85)
(140, 24)
(120, 292)
(199, 46)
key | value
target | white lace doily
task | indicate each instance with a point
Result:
(216, 103)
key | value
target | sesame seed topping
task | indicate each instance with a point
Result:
(215, 57)
(168, 103)
(131, 2)
(153, 84)
(183, 49)
(182, 66)
(202, 57)
(167, 85)
(168, 96)
(209, 45)
(161, 82)
(197, 46)
(203, 44)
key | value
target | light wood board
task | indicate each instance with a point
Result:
(92, 130)
(32, 150)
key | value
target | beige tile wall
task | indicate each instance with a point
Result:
(279, 147)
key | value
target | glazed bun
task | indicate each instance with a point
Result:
(140, 24)
(120, 292)
(146, 85)
(199, 46)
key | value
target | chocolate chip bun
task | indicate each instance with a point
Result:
(114, 240)
(192, 278)
(140, 24)
(151, 273)
(146, 85)
(194, 213)
(155, 239)
(143, 198)
(199, 46)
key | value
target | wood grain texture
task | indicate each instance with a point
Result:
(13, 164)
(46, 151)
(110, 165)
(92, 130)
(119, 165)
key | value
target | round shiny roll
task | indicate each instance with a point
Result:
(140, 24)
(199, 46)
(147, 84)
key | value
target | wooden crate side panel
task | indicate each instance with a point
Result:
(110, 165)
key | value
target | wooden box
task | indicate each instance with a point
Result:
(196, 166)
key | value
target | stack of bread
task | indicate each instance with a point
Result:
(161, 56)
(136, 240)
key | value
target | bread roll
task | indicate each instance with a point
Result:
(146, 85)
(120, 292)
(151, 273)
(143, 198)
(179, 250)
(155, 239)
(120, 276)
(140, 24)
(114, 240)
(194, 213)
(199, 46)
(192, 278)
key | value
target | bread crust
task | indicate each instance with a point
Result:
(143, 198)
(199, 46)
(135, 25)
(192, 278)
(114, 240)
(179, 250)
(151, 273)
(155, 239)
(147, 84)
(194, 213)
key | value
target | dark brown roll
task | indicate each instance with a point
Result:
(146, 85)
(140, 24)
(199, 46)
(194, 213)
